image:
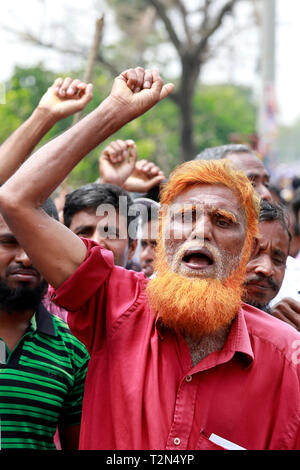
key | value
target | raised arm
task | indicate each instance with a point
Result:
(53, 249)
(64, 98)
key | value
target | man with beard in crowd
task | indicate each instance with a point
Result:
(285, 304)
(42, 365)
(266, 268)
(177, 362)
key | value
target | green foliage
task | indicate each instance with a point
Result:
(218, 112)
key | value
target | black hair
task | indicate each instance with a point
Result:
(91, 196)
(51, 209)
(274, 211)
(151, 212)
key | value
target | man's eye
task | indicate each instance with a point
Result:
(110, 232)
(8, 242)
(223, 222)
(83, 234)
(253, 181)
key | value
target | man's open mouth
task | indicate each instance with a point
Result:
(198, 258)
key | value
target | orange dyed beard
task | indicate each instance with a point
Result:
(191, 306)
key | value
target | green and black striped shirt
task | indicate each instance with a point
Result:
(41, 383)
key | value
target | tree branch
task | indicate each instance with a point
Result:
(208, 32)
(84, 53)
(162, 13)
(184, 14)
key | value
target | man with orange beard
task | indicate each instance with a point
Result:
(177, 362)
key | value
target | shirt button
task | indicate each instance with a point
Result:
(188, 378)
(177, 441)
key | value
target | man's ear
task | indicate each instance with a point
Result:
(132, 249)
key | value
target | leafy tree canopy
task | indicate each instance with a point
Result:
(219, 111)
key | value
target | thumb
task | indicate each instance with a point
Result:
(132, 157)
(166, 90)
(88, 95)
(154, 182)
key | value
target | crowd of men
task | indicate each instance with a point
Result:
(147, 312)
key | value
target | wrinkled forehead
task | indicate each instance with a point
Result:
(249, 164)
(209, 196)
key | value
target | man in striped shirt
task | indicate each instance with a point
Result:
(42, 365)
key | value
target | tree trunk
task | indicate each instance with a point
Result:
(190, 73)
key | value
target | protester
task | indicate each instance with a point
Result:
(286, 304)
(63, 98)
(179, 357)
(118, 165)
(43, 366)
(118, 169)
(244, 158)
(287, 301)
(148, 233)
(266, 267)
(93, 211)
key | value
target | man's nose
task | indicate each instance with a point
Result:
(264, 193)
(22, 257)
(148, 252)
(202, 228)
(264, 266)
(96, 237)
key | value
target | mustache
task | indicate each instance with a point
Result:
(20, 268)
(266, 280)
(212, 251)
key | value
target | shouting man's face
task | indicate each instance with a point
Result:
(205, 232)
(200, 262)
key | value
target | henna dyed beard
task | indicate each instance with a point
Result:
(195, 307)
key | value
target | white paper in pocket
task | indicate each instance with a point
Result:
(224, 443)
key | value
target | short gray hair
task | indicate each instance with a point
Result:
(216, 153)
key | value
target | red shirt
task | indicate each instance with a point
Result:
(142, 391)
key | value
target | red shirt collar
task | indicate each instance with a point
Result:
(238, 342)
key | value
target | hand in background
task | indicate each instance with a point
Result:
(145, 176)
(66, 97)
(288, 310)
(117, 162)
